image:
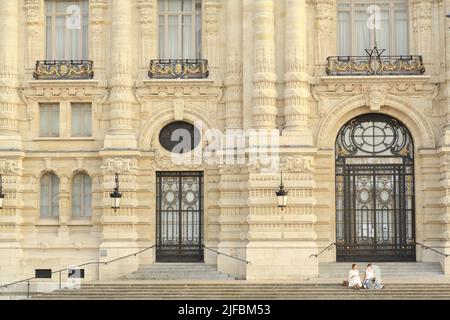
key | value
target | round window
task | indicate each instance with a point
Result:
(179, 137)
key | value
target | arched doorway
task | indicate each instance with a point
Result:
(375, 218)
(179, 200)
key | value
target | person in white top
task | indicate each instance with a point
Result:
(371, 281)
(354, 280)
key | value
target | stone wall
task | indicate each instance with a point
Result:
(267, 71)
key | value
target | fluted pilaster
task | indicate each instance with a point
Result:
(264, 78)
(234, 65)
(297, 92)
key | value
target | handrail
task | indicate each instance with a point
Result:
(227, 255)
(431, 249)
(75, 266)
(327, 248)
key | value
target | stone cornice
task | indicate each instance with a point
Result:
(203, 88)
(58, 89)
(374, 79)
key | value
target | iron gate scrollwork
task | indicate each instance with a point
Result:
(179, 197)
(375, 218)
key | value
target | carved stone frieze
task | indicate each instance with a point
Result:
(297, 164)
(120, 165)
(9, 166)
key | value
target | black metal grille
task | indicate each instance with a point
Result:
(375, 191)
(179, 198)
(179, 69)
(64, 70)
(375, 64)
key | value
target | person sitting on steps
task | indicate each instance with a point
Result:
(371, 281)
(354, 281)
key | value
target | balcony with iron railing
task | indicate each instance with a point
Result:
(64, 70)
(179, 69)
(374, 63)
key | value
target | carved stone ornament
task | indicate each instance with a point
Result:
(375, 96)
(120, 165)
(297, 164)
(9, 166)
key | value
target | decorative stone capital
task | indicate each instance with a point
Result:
(32, 11)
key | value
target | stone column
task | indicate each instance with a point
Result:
(233, 80)
(10, 216)
(10, 143)
(121, 99)
(296, 110)
(264, 77)
(10, 138)
(445, 156)
(98, 35)
(446, 130)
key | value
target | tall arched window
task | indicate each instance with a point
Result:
(49, 195)
(82, 195)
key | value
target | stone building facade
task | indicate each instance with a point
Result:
(267, 69)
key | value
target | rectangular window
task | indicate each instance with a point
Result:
(81, 120)
(67, 29)
(49, 119)
(357, 30)
(180, 27)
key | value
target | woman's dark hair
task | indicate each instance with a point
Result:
(369, 265)
(354, 265)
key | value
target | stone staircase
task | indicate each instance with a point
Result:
(193, 281)
(177, 271)
(241, 290)
(389, 270)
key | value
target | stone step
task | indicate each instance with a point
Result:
(247, 291)
(387, 269)
(177, 271)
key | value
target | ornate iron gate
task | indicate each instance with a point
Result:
(375, 191)
(179, 205)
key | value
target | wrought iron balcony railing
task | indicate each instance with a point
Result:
(179, 69)
(375, 64)
(64, 70)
